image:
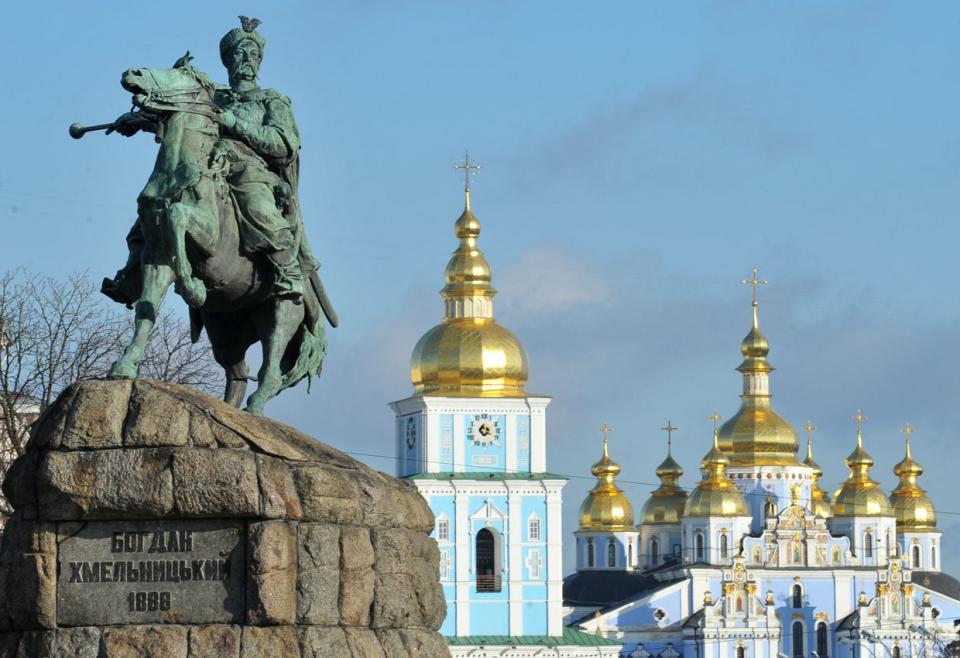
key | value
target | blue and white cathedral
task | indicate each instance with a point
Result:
(755, 560)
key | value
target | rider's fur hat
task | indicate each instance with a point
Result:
(247, 30)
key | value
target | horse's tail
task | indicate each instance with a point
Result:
(309, 346)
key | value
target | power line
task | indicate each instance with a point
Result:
(494, 470)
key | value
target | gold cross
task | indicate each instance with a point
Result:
(754, 282)
(859, 417)
(605, 429)
(716, 418)
(809, 428)
(468, 169)
(669, 429)
(907, 430)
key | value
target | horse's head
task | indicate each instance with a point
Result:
(162, 90)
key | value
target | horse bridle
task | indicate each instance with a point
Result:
(168, 101)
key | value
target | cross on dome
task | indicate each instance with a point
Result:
(469, 168)
(754, 282)
(716, 418)
(859, 417)
(669, 429)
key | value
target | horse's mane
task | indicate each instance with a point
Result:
(199, 76)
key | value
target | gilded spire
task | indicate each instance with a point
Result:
(859, 495)
(468, 293)
(756, 434)
(606, 508)
(468, 354)
(669, 471)
(913, 509)
(819, 502)
(667, 501)
(715, 494)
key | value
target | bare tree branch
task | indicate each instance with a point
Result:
(53, 333)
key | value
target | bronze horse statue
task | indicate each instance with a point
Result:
(192, 240)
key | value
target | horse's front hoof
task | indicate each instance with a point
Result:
(254, 407)
(122, 369)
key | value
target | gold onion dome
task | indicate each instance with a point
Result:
(606, 508)
(859, 495)
(666, 502)
(911, 505)
(468, 354)
(715, 494)
(756, 434)
(819, 501)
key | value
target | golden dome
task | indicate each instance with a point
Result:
(666, 502)
(911, 505)
(468, 354)
(756, 434)
(606, 508)
(819, 502)
(859, 495)
(715, 494)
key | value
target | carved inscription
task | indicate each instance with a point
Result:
(118, 572)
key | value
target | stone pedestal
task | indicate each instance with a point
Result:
(154, 521)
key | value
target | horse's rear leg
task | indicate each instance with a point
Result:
(231, 335)
(156, 282)
(275, 336)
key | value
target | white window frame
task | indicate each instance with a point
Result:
(534, 528)
(443, 529)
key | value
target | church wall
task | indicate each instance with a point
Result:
(929, 547)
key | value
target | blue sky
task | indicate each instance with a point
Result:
(639, 158)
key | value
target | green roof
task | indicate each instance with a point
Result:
(570, 637)
(485, 475)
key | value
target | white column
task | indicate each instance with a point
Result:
(554, 560)
(538, 438)
(430, 442)
(510, 443)
(459, 447)
(515, 558)
(465, 579)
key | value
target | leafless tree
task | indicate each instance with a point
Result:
(55, 332)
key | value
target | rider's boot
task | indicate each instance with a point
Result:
(289, 281)
(127, 284)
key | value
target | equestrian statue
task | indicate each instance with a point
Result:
(219, 219)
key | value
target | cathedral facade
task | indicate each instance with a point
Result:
(754, 561)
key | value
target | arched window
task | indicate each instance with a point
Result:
(797, 596)
(741, 652)
(933, 557)
(868, 545)
(698, 545)
(611, 553)
(590, 559)
(916, 557)
(739, 606)
(488, 578)
(630, 554)
(654, 552)
(890, 545)
(823, 650)
(797, 639)
(723, 546)
(896, 651)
